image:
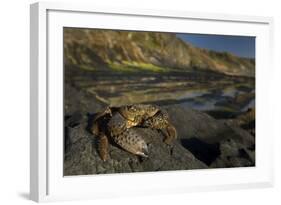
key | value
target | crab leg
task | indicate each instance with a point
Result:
(107, 110)
(98, 130)
(95, 129)
(170, 134)
(161, 121)
(103, 147)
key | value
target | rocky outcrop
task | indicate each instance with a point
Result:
(97, 49)
(203, 142)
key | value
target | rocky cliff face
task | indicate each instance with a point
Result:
(94, 49)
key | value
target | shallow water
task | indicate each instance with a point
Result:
(209, 105)
(195, 91)
(209, 101)
(251, 104)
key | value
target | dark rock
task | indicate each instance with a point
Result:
(203, 142)
(244, 120)
(205, 152)
(215, 142)
(195, 124)
(79, 102)
(234, 154)
(82, 155)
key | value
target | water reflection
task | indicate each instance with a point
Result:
(200, 92)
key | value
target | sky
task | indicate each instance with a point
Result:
(242, 46)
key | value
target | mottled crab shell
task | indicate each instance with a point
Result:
(162, 122)
(126, 138)
(131, 141)
(119, 123)
(158, 121)
(138, 113)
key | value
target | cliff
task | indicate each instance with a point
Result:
(106, 50)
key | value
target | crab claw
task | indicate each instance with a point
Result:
(132, 141)
(143, 152)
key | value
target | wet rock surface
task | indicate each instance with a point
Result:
(217, 143)
(203, 142)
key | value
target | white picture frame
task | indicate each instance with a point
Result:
(47, 182)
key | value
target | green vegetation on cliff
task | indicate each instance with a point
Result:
(125, 51)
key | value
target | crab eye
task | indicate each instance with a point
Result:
(133, 109)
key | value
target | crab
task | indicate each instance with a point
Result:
(116, 123)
